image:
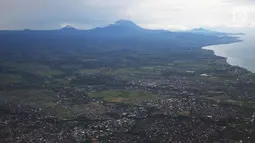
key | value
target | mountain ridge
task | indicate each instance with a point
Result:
(127, 28)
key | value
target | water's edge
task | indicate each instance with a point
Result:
(229, 60)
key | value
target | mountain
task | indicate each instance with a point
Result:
(201, 30)
(68, 28)
(125, 28)
(127, 33)
(121, 26)
(211, 32)
(125, 24)
(205, 31)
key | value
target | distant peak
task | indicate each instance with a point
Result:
(200, 29)
(125, 22)
(68, 27)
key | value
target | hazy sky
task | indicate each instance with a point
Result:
(163, 14)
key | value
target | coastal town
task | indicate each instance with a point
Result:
(174, 110)
(122, 84)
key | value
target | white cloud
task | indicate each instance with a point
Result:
(165, 14)
(252, 24)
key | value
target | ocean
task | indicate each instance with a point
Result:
(240, 54)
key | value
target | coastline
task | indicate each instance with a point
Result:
(232, 61)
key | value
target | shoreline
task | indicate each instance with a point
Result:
(227, 59)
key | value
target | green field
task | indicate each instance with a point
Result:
(121, 96)
(6, 79)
